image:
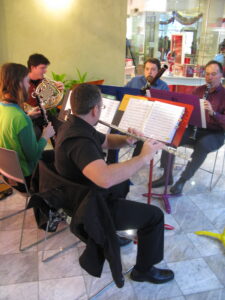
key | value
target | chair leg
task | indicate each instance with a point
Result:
(212, 185)
(22, 228)
(11, 215)
(60, 251)
(108, 285)
(39, 241)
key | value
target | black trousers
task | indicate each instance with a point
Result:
(149, 220)
(206, 141)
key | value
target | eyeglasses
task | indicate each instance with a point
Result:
(102, 106)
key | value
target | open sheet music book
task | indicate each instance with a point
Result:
(157, 120)
(107, 114)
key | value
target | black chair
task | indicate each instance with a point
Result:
(49, 200)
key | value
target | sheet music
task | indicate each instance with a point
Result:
(162, 121)
(136, 112)
(67, 107)
(202, 110)
(107, 114)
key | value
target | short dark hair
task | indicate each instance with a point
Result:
(11, 76)
(215, 62)
(154, 61)
(37, 59)
(84, 97)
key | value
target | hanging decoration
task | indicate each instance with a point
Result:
(183, 20)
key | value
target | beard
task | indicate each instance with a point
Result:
(149, 78)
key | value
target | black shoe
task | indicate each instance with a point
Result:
(161, 182)
(123, 241)
(178, 187)
(154, 275)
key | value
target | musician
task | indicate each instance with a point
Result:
(16, 127)
(151, 68)
(37, 66)
(79, 157)
(205, 140)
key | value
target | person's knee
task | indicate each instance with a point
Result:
(209, 143)
(157, 215)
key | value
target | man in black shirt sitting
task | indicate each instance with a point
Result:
(79, 157)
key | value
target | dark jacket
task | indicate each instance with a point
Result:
(91, 220)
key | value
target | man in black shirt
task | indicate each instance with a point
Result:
(79, 157)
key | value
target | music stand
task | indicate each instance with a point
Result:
(66, 109)
(195, 120)
(119, 92)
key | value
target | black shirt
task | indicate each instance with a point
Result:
(77, 145)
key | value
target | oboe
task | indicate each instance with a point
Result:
(144, 139)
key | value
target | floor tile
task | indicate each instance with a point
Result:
(213, 200)
(65, 288)
(194, 276)
(149, 291)
(216, 216)
(191, 221)
(64, 265)
(217, 265)
(20, 291)
(211, 295)
(206, 245)
(17, 268)
(111, 292)
(179, 247)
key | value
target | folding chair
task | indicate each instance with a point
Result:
(10, 169)
(49, 180)
(213, 170)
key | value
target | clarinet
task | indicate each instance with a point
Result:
(45, 118)
(205, 96)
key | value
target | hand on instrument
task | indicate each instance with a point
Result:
(131, 140)
(48, 131)
(59, 85)
(34, 113)
(208, 107)
(150, 148)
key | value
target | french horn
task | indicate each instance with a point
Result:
(48, 94)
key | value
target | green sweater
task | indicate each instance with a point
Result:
(16, 133)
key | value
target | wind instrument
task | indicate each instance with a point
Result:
(144, 139)
(151, 80)
(48, 93)
(205, 96)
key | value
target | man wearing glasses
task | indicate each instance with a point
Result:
(207, 139)
(79, 157)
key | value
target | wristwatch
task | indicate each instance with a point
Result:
(214, 114)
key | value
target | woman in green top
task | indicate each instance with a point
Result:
(16, 127)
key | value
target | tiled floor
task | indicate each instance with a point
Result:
(198, 261)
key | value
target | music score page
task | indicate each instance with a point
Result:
(163, 121)
(136, 112)
(107, 114)
(157, 120)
